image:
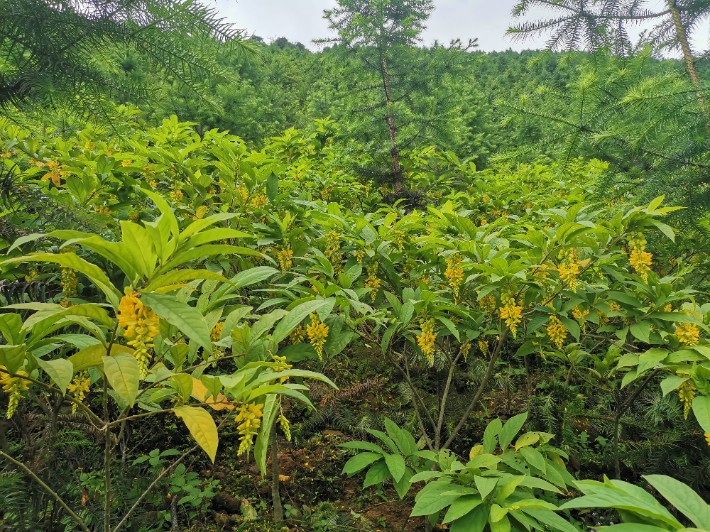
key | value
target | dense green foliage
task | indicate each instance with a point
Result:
(477, 283)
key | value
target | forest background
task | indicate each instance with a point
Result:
(201, 227)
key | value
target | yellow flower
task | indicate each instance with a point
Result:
(686, 394)
(69, 282)
(15, 387)
(317, 334)
(639, 258)
(359, 255)
(374, 283)
(332, 244)
(668, 308)
(512, 313)
(78, 388)
(454, 274)
(285, 426)
(579, 314)
(297, 336)
(488, 303)
(55, 173)
(176, 194)
(483, 346)
(707, 437)
(285, 258)
(570, 269)
(687, 333)
(465, 350)
(614, 306)
(556, 332)
(200, 212)
(248, 421)
(427, 340)
(127, 162)
(140, 327)
(216, 333)
(258, 201)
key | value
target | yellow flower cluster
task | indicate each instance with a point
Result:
(332, 244)
(216, 332)
(454, 275)
(512, 313)
(200, 212)
(483, 346)
(569, 269)
(69, 282)
(248, 421)
(640, 259)
(556, 332)
(579, 314)
(126, 163)
(285, 258)
(374, 283)
(78, 388)
(614, 307)
(707, 437)
(297, 336)
(427, 340)
(280, 364)
(258, 201)
(14, 387)
(102, 209)
(140, 327)
(399, 239)
(176, 194)
(359, 255)
(32, 275)
(285, 426)
(488, 303)
(465, 350)
(317, 334)
(55, 173)
(686, 394)
(687, 333)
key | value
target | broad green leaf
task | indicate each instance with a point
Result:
(363, 446)
(359, 462)
(485, 485)
(490, 435)
(461, 507)
(395, 463)
(187, 319)
(510, 429)
(122, 372)
(252, 276)
(431, 498)
(201, 426)
(377, 474)
(701, 411)
(683, 498)
(271, 406)
(60, 371)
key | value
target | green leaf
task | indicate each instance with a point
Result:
(510, 429)
(187, 319)
(201, 426)
(529, 438)
(461, 506)
(485, 485)
(377, 474)
(686, 501)
(395, 463)
(271, 406)
(431, 498)
(295, 316)
(363, 446)
(641, 331)
(252, 276)
(122, 372)
(474, 521)
(359, 462)
(60, 371)
(272, 186)
(490, 435)
(534, 458)
(701, 410)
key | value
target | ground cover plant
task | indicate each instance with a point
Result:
(295, 329)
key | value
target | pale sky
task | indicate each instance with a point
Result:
(302, 21)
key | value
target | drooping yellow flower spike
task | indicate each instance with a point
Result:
(427, 340)
(285, 258)
(512, 313)
(15, 387)
(374, 283)
(454, 275)
(297, 336)
(78, 388)
(687, 333)
(556, 332)
(248, 421)
(686, 394)
(639, 258)
(216, 332)
(317, 334)
(569, 269)
(140, 327)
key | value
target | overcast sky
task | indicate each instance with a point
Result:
(302, 21)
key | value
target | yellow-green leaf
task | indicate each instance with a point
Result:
(201, 426)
